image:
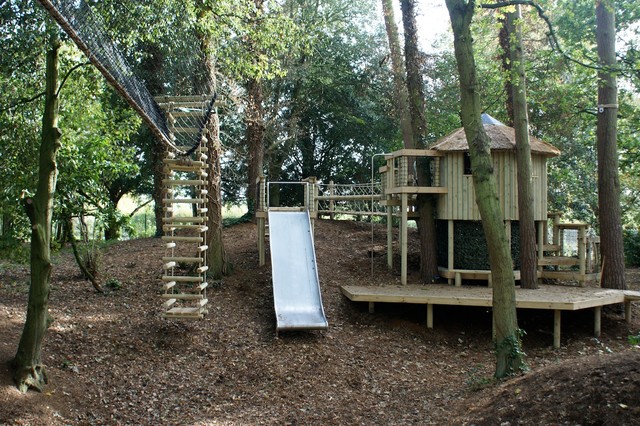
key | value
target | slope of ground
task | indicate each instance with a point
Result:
(112, 359)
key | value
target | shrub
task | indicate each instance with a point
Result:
(632, 247)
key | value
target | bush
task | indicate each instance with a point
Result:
(632, 247)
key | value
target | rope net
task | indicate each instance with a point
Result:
(90, 33)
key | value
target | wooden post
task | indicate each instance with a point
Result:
(429, 315)
(403, 240)
(556, 328)
(436, 171)
(541, 241)
(627, 311)
(389, 233)
(556, 229)
(261, 240)
(262, 221)
(372, 307)
(332, 192)
(450, 247)
(582, 253)
(597, 321)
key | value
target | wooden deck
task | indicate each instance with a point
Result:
(556, 298)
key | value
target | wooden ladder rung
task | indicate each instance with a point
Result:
(183, 162)
(202, 269)
(183, 201)
(173, 227)
(203, 286)
(170, 245)
(202, 248)
(183, 296)
(187, 219)
(169, 285)
(203, 302)
(183, 259)
(183, 182)
(169, 265)
(182, 279)
(184, 313)
(182, 239)
(169, 302)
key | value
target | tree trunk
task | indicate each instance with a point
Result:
(508, 350)
(255, 141)
(416, 102)
(528, 263)
(29, 373)
(401, 96)
(217, 256)
(612, 247)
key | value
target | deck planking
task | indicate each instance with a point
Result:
(555, 298)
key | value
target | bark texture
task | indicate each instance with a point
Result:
(416, 102)
(612, 247)
(508, 349)
(255, 141)
(528, 263)
(29, 373)
(401, 95)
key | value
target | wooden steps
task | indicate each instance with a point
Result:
(184, 281)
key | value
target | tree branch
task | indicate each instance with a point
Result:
(68, 74)
(553, 38)
(139, 207)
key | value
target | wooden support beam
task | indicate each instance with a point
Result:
(557, 317)
(429, 315)
(597, 321)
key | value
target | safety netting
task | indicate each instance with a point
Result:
(91, 34)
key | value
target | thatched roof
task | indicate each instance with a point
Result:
(503, 138)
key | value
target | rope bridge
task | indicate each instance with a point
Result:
(179, 121)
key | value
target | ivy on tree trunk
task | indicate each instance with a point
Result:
(509, 356)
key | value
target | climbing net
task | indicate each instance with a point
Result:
(91, 34)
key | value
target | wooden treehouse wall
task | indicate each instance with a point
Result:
(459, 202)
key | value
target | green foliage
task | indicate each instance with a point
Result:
(14, 251)
(113, 284)
(632, 248)
(476, 381)
(515, 355)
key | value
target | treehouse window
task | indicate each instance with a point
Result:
(467, 164)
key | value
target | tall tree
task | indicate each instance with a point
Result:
(606, 133)
(416, 100)
(29, 373)
(509, 356)
(528, 266)
(401, 95)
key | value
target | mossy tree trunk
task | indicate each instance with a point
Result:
(29, 373)
(612, 246)
(528, 264)
(508, 350)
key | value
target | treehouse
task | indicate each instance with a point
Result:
(462, 252)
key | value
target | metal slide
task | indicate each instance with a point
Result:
(296, 288)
